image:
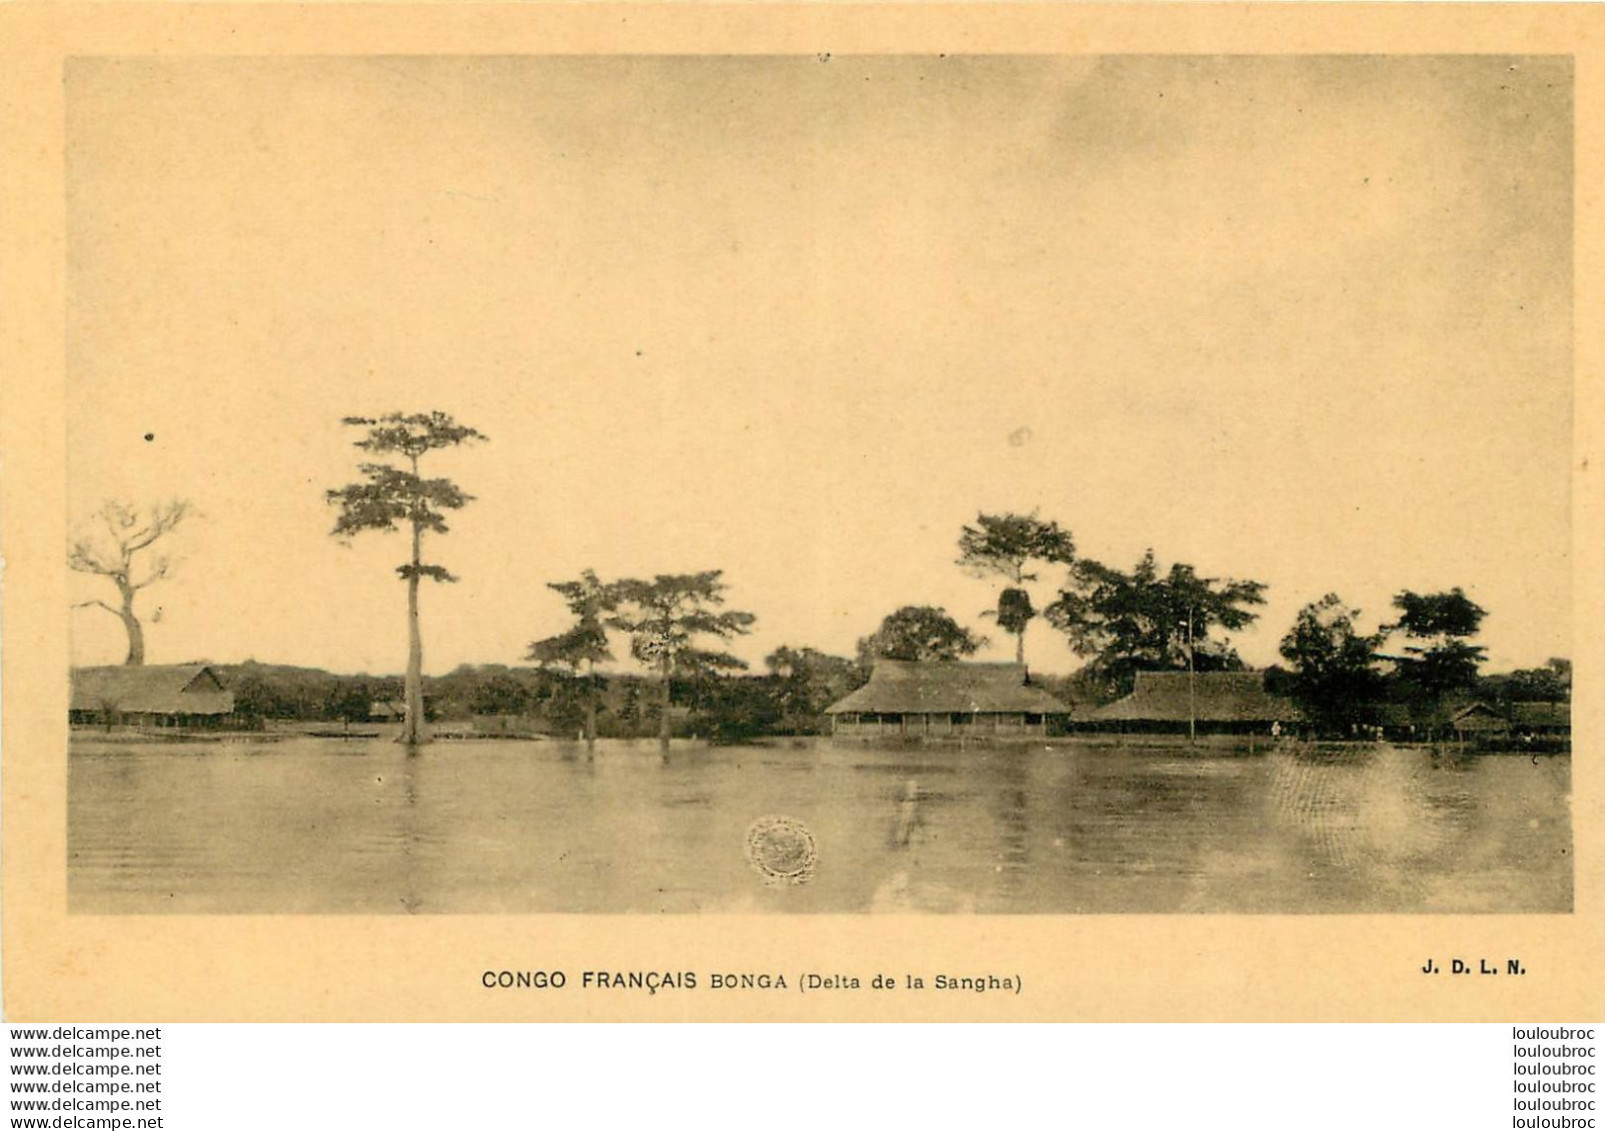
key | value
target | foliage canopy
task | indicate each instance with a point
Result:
(918, 632)
(1146, 620)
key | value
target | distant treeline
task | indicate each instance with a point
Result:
(789, 698)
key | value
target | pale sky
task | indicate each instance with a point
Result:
(1306, 321)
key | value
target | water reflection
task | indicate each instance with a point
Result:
(309, 825)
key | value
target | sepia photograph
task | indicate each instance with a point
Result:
(930, 484)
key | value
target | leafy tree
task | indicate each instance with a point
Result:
(255, 700)
(389, 498)
(702, 683)
(1148, 621)
(1004, 545)
(485, 689)
(1438, 658)
(584, 644)
(918, 632)
(348, 701)
(628, 710)
(1551, 683)
(664, 617)
(735, 710)
(563, 700)
(274, 691)
(1334, 673)
(499, 694)
(806, 681)
(116, 550)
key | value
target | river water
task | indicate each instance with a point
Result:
(309, 825)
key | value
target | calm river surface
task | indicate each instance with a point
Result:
(357, 827)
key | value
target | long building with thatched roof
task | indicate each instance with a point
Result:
(1541, 718)
(160, 695)
(1485, 721)
(946, 699)
(1216, 702)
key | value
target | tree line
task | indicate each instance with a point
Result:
(1118, 622)
(787, 698)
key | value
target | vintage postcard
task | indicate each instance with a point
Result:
(695, 513)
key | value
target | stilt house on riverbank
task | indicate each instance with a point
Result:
(1216, 702)
(150, 695)
(946, 699)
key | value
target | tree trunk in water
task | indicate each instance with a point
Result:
(412, 725)
(663, 707)
(590, 710)
(136, 634)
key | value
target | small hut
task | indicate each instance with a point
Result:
(1213, 702)
(1479, 721)
(387, 711)
(150, 695)
(946, 699)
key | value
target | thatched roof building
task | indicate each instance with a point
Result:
(1218, 701)
(936, 699)
(1479, 719)
(150, 694)
(1483, 720)
(1541, 718)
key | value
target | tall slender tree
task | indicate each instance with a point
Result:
(117, 551)
(1438, 661)
(1004, 545)
(392, 497)
(665, 616)
(584, 644)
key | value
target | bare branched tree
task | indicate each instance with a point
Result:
(116, 549)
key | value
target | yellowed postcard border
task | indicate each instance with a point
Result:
(1100, 968)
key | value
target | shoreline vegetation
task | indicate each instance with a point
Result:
(274, 730)
(1214, 746)
(1417, 677)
